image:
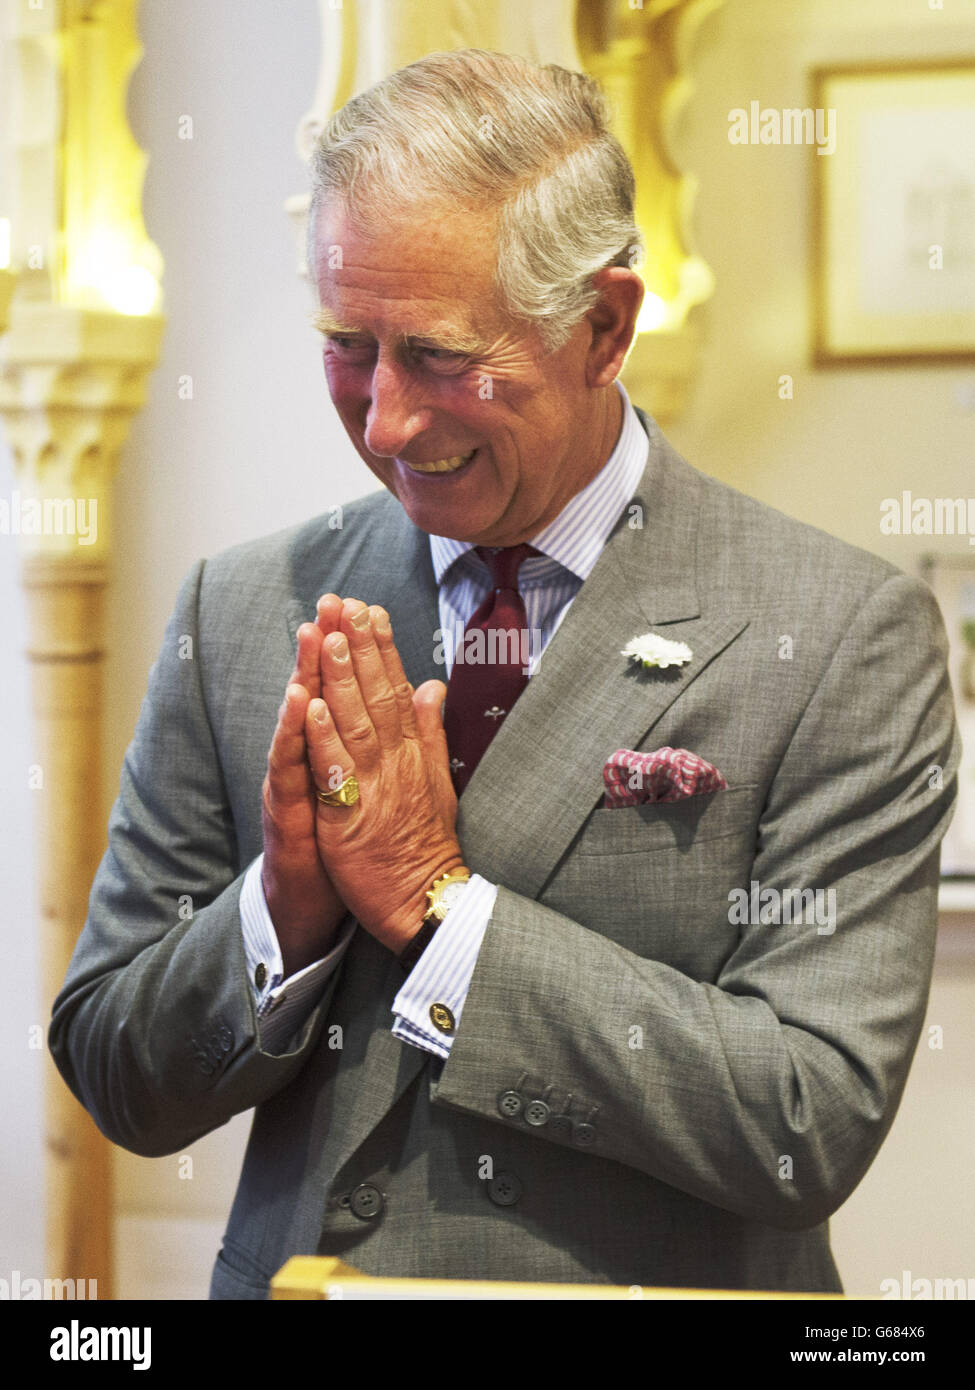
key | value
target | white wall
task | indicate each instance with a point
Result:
(259, 447)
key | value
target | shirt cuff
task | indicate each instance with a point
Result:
(443, 973)
(282, 1004)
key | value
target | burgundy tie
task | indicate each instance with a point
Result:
(488, 673)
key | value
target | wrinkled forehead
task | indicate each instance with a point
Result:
(430, 257)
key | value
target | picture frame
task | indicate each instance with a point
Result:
(893, 237)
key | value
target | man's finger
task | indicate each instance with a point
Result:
(328, 613)
(341, 693)
(403, 691)
(375, 689)
(428, 704)
(308, 661)
(289, 779)
(331, 763)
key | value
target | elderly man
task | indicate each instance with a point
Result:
(615, 971)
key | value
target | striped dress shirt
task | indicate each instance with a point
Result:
(548, 583)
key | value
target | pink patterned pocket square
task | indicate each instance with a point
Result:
(668, 774)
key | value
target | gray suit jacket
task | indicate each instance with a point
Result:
(739, 1078)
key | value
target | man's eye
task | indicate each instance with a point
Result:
(442, 357)
(347, 345)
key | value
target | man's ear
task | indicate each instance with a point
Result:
(613, 322)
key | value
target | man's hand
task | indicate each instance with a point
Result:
(385, 852)
(304, 906)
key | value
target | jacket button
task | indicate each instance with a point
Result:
(510, 1104)
(583, 1135)
(504, 1189)
(536, 1113)
(367, 1201)
(561, 1125)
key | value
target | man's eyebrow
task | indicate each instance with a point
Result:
(325, 323)
(447, 338)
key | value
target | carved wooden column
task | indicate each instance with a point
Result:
(640, 54)
(83, 335)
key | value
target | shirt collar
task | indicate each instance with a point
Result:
(577, 535)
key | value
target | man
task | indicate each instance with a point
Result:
(609, 1054)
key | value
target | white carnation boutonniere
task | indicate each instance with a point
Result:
(652, 650)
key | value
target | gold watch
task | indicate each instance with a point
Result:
(443, 896)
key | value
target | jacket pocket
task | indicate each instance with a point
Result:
(669, 825)
(656, 879)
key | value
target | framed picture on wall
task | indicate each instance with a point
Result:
(894, 213)
(952, 578)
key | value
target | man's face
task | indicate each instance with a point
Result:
(480, 434)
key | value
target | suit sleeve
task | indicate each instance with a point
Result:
(155, 1029)
(768, 1091)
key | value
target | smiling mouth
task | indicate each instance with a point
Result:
(449, 465)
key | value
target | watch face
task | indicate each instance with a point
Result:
(451, 895)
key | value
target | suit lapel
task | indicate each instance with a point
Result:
(542, 776)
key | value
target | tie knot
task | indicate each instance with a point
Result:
(505, 563)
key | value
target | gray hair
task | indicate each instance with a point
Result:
(529, 143)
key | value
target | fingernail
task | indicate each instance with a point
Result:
(360, 621)
(382, 624)
(340, 649)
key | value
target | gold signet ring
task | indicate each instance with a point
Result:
(345, 795)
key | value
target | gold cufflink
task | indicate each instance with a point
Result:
(442, 1018)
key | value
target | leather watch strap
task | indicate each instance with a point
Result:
(418, 944)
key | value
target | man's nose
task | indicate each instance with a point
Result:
(396, 413)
